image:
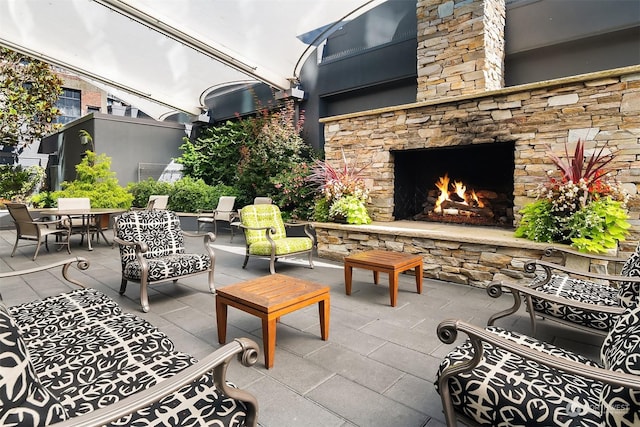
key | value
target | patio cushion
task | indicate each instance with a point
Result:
(582, 291)
(284, 246)
(628, 291)
(159, 229)
(262, 215)
(621, 352)
(505, 388)
(167, 267)
(70, 310)
(98, 356)
(25, 401)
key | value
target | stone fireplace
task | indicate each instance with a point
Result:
(466, 184)
(463, 106)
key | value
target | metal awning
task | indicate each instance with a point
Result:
(165, 56)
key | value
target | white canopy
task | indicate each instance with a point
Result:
(165, 56)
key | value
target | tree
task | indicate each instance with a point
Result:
(29, 90)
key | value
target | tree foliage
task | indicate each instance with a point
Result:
(29, 91)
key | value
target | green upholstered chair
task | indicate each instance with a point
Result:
(266, 236)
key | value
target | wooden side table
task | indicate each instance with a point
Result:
(379, 261)
(270, 297)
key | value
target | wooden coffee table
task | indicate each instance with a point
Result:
(270, 297)
(393, 263)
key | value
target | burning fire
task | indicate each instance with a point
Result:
(456, 198)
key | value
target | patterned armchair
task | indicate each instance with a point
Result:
(582, 299)
(266, 236)
(152, 250)
(498, 377)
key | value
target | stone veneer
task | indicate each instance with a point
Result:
(459, 79)
(460, 47)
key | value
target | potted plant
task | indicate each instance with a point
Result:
(344, 193)
(584, 208)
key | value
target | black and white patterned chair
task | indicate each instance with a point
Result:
(152, 250)
(582, 299)
(503, 378)
(78, 359)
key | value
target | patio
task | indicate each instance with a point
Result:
(376, 369)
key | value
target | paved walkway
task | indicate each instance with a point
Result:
(376, 369)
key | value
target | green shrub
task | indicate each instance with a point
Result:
(294, 195)
(190, 195)
(96, 181)
(18, 183)
(143, 189)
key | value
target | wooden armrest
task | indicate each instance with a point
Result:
(81, 264)
(247, 351)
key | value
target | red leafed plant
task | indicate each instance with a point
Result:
(574, 168)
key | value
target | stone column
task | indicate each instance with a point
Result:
(460, 47)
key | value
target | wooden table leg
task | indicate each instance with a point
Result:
(348, 276)
(418, 271)
(221, 317)
(269, 339)
(324, 307)
(393, 287)
(376, 276)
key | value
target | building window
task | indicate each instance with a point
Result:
(69, 105)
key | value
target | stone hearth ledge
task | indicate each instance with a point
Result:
(470, 255)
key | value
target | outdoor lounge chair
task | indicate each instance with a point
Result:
(81, 224)
(152, 251)
(501, 378)
(37, 230)
(223, 212)
(266, 236)
(578, 298)
(157, 201)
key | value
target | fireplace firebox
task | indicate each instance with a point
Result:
(468, 184)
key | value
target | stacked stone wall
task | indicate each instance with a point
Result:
(600, 108)
(460, 47)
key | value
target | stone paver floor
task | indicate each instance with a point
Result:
(376, 369)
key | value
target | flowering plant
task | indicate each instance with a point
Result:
(585, 208)
(344, 191)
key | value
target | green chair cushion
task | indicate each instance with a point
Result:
(284, 246)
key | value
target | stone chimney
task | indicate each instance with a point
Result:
(460, 47)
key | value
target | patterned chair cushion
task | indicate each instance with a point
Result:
(160, 229)
(582, 291)
(628, 291)
(167, 267)
(70, 310)
(25, 401)
(621, 352)
(97, 356)
(505, 389)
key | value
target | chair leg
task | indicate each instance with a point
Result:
(144, 298)
(123, 286)
(46, 242)
(212, 287)
(15, 246)
(37, 249)
(246, 258)
(272, 264)
(311, 259)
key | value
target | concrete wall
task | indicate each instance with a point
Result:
(128, 141)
